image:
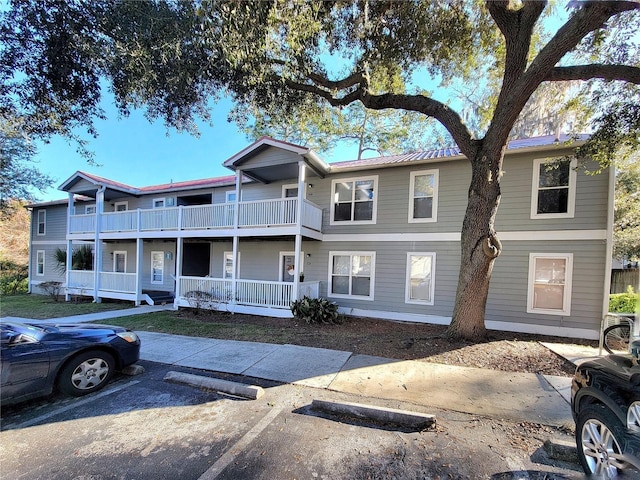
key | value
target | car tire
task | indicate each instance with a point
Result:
(86, 373)
(600, 439)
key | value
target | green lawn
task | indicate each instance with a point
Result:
(43, 306)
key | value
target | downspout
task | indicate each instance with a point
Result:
(608, 251)
(97, 261)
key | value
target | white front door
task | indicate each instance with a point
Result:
(288, 268)
(157, 267)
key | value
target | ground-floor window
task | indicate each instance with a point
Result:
(120, 261)
(420, 274)
(228, 265)
(40, 262)
(549, 289)
(157, 267)
(352, 274)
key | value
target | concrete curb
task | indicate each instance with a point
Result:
(380, 414)
(564, 450)
(233, 388)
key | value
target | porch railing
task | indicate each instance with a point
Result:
(262, 213)
(118, 282)
(81, 279)
(202, 290)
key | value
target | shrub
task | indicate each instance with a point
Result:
(315, 310)
(53, 289)
(628, 302)
(14, 278)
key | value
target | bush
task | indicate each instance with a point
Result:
(14, 278)
(628, 302)
(315, 310)
(53, 289)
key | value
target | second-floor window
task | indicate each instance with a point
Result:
(90, 209)
(42, 221)
(354, 200)
(121, 206)
(158, 203)
(554, 188)
(423, 196)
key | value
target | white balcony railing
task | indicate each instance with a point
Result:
(262, 213)
(118, 282)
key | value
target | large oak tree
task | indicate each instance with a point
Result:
(174, 57)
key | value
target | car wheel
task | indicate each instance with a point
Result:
(599, 437)
(86, 373)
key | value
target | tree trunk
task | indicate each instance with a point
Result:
(479, 246)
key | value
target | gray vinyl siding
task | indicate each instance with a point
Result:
(107, 257)
(514, 213)
(51, 270)
(168, 283)
(271, 156)
(507, 301)
(55, 223)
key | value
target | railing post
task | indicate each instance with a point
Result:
(180, 217)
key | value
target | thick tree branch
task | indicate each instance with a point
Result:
(624, 73)
(590, 17)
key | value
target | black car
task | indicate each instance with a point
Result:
(605, 402)
(77, 359)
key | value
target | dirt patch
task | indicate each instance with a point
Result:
(506, 351)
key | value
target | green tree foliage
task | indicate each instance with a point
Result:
(20, 178)
(175, 57)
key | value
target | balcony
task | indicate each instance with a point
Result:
(258, 214)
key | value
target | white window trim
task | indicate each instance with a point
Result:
(90, 209)
(434, 210)
(159, 200)
(281, 258)
(155, 282)
(352, 254)
(535, 184)
(374, 212)
(290, 186)
(117, 204)
(432, 287)
(568, 282)
(42, 222)
(115, 255)
(40, 253)
(227, 194)
(224, 265)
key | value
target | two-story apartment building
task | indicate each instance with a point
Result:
(380, 236)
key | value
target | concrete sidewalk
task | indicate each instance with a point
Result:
(504, 395)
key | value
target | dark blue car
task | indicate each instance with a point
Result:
(77, 359)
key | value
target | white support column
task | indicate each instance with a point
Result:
(139, 263)
(97, 252)
(302, 170)
(69, 263)
(179, 250)
(236, 211)
(234, 280)
(298, 269)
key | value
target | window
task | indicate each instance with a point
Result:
(40, 262)
(351, 274)
(354, 200)
(42, 220)
(420, 278)
(423, 196)
(157, 267)
(554, 188)
(290, 191)
(230, 196)
(228, 265)
(90, 209)
(121, 206)
(550, 283)
(120, 261)
(158, 203)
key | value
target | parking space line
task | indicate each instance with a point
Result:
(104, 393)
(228, 457)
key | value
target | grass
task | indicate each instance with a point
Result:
(42, 307)
(174, 323)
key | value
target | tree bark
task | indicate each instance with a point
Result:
(479, 246)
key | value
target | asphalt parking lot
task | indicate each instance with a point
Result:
(142, 427)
